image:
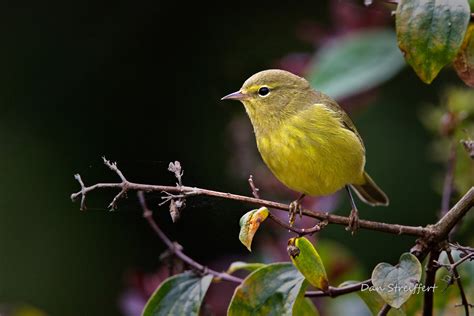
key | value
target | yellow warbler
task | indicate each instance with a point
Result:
(306, 139)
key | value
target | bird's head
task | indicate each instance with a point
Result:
(271, 95)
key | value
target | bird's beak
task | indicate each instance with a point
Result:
(235, 96)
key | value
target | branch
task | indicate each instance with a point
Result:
(430, 235)
(337, 291)
(384, 311)
(465, 250)
(464, 301)
(185, 191)
(429, 282)
(444, 226)
(450, 267)
(176, 250)
(448, 180)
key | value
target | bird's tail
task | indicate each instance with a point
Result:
(370, 193)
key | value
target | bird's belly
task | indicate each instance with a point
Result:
(313, 163)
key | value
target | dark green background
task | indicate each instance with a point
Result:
(140, 83)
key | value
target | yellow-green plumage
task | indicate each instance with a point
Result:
(305, 138)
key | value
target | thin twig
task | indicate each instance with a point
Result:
(323, 216)
(450, 267)
(384, 311)
(337, 291)
(430, 282)
(82, 192)
(253, 188)
(464, 249)
(464, 301)
(177, 250)
(300, 231)
(448, 180)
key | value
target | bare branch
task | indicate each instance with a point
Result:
(451, 266)
(253, 187)
(456, 276)
(448, 180)
(176, 249)
(337, 291)
(429, 282)
(82, 192)
(384, 311)
(444, 226)
(465, 250)
(323, 216)
(430, 235)
(114, 168)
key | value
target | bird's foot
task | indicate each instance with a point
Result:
(295, 208)
(353, 221)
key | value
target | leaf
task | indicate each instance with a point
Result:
(373, 300)
(396, 284)
(304, 306)
(271, 290)
(307, 260)
(181, 294)
(249, 223)
(239, 265)
(356, 63)
(464, 62)
(430, 33)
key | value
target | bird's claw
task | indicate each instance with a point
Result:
(353, 221)
(295, 208)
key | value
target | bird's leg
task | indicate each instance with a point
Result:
(354, 217)
(295, 207)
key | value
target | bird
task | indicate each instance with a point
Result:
(307, 140)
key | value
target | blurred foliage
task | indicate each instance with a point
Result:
(20, 310)
(355, 63)
(464, 62)
(451, 122)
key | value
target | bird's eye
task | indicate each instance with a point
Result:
(263, 91)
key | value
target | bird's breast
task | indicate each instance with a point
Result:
(313, 153)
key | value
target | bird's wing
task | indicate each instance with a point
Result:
(345, 119)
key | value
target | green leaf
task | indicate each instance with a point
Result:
(271, 290)
(355, 63)
(373, 300)
(396, 284)
(307, 260)
(464, 62)
(181, 294)
(430, 33)
(239, 265)
(304, 306)
(249, 223)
